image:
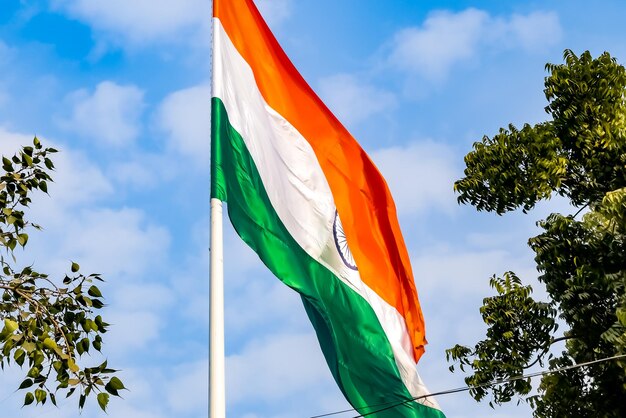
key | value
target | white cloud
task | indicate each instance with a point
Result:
(11, 379)
(246, 280)
(141, 401)
(274, 11)
(268, 303)
(134, 173)
(120, 243)
(274, 368)
(109, 116)
(137, 314)
(446, 39)
(76, 180)
(353, 100)
(142, 21)
(141, 170)
(536, 30)
(420, 175)
(188, 387)
(10, 142)
(185, 116)
(115, 242)
(120, 408)
(465, 273)
(141, 296)
(139, 21)
(130, 330)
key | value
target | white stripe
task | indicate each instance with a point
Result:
(298, 189)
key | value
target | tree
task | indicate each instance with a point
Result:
(47, 324)
(580, 153)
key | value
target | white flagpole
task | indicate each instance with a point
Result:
(217, 381)
(217, 375)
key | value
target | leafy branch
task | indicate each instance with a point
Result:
(48, 325)
(519, 328)
(579, 154)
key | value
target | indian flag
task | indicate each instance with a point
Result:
(304, 195)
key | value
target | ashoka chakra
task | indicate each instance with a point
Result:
(342, 243)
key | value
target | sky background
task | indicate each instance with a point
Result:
(121, 88)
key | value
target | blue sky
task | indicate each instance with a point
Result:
(122, 89)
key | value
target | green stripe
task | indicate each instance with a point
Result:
(352, 340)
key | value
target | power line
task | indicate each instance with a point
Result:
(395, 404)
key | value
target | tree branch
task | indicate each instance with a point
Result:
(545, 351)
(40, 307)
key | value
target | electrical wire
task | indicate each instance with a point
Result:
(395, 404)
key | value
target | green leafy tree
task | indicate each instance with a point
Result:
(580, 153)
(47, 325)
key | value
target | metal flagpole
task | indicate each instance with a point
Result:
(217, 379)
(217, 390)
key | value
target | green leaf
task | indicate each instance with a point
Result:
(10, 325)
(75, 267)
(38, 357)
(85, 344)
(29, 398)
(72, 365)
(27, 159)
(26, 384)
(50, 343)
(114, 385)
(94, 291)
(22, 239)
(7, 165)
(33, 372)
(103, 400)
(85, 301)
(19, 356)
(621, 316)
(28, 346)
(40, 395)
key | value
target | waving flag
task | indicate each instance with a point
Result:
(304, 195)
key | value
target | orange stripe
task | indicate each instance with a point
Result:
(361, 195)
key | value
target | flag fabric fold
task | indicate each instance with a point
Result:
(303, 194)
